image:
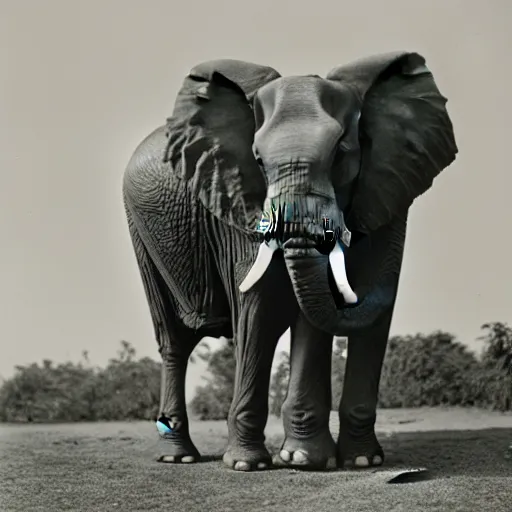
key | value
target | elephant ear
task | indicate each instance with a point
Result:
(210, 136)
(405, 135)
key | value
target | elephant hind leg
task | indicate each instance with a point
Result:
(176, 343)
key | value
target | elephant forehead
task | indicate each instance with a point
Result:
(307, 94)
(291, 87)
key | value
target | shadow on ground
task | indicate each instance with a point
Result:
(96, 467)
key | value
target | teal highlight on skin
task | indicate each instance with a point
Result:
(263, 225)
(163, 428)
(288, 213)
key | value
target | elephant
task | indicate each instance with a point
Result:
(267, 202)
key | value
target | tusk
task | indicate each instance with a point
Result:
(260, 265)
(337, 261)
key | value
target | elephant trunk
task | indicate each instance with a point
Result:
(312, 234)
(310, 274)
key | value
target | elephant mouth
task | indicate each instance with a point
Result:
(283, 225)
(298, 244)
(279, 233)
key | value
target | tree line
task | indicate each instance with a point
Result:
(420, 370)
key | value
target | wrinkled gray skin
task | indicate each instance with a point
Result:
(365, 141)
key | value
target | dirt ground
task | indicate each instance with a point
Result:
(109, 466)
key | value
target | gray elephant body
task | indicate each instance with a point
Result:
(324, 157)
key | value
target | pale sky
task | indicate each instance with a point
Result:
(82, 83)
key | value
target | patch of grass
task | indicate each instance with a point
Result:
(109, 466)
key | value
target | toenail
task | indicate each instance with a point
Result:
(167, 458)
(242, 466)
(188, 458)
(299, 456)
(377, 460)
(262, 465)
(361, 462)
(285, 455)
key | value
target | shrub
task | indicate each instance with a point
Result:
(125, 389)
(279, 384)
(428, 371)
(339, 360)
(418, 370)
(495, 377)
(212, 401)
(47, 393)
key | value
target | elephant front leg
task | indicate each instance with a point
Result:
(265, 314)
(357, 443)
(308, 442)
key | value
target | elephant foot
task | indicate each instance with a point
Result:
(176, 444)
(179, 451)
(247, 459)
(359, 447)
(316, 453)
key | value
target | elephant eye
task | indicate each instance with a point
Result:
(258, 159)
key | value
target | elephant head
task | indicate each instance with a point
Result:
(304, 161)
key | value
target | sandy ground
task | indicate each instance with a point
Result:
(111, 466)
